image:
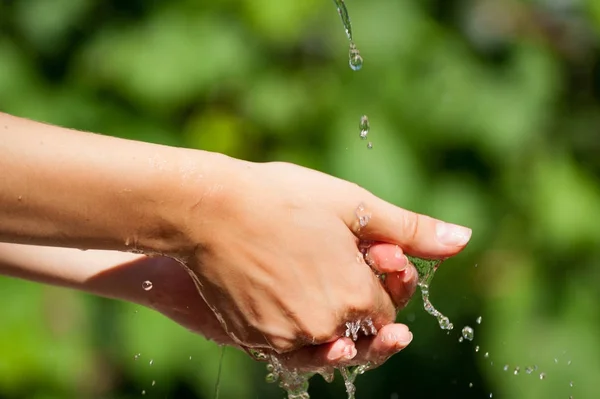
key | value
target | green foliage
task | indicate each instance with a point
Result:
(482, 113)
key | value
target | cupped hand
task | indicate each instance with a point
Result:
(278, 261)
(175, 295)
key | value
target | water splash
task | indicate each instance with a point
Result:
(349, 375)
(426, 269)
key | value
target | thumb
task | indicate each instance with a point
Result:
(416, 234)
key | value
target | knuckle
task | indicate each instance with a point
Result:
(410, 225)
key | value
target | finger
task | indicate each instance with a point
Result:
(321, 356)
(416, 234)
(389, 340)
(401, 286)
(386, 258)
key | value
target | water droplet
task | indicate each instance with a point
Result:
(571, 384)
(517, 370)
(477, 348)
(491, 395)
(505, 368)
(364, 127)
(271, 378)
(470, 385)
(555, 361)
(468, 333)
(147, 285)
(479, 320)
(328, 375)
(190, 358)
(137, 356)
(355, 59)
(529, 370)
(363, 216)
(487, 354)
(151, 362)
(143, 392)
(257, 354)
(542, 376)
(370, 145)
(569, 363)
(153, 383)
(460, 339)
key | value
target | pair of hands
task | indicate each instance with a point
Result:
(279, 267)
(272, 248)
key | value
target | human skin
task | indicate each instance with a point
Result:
(272, 248)
(120, 275)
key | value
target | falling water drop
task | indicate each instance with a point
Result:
(477, 348)
(479, 320)
(151, 362)
(147, 285)
(354, 58)
(468, 333)
(364, 127)
(542, 376)
(137, 356)
(370, 145)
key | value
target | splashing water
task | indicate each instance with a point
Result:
(426, 269)
(354, 57)
(296, 383)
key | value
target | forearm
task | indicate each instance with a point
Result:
(60, 187)
(109, 274)
(72, 268)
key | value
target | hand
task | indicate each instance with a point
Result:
(174, 294)
(121, 276)
(277, 260)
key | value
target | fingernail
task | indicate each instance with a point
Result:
(349, 352)
(406, 339)
(337, 351)
(401, 258)
(451, 234)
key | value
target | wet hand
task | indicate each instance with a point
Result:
(278, 260)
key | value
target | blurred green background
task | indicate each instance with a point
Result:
(483, 112)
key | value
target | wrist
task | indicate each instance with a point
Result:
(191, 200)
